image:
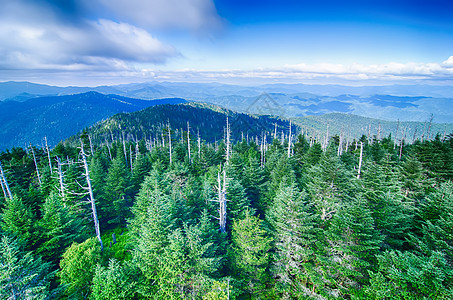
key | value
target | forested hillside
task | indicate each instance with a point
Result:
(205, 120)
(59, 117)
(168, 215)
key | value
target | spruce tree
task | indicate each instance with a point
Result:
(295, 228)
(250, 255)
(22, 275)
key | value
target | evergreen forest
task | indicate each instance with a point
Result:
(182, 215)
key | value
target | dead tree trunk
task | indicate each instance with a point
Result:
(228, 146)
(275, 131)
(5, 186)
(188, 139)
(221, 199)
(289, 139)
(124, 149)
(169, 140)
(130, 158)
(91, 145)
(60, 178)
(396, 134)
(360, 160)
(93, 204)
(48, 155)
(222, 202)
(430, 123)
(36, 164)
(199, 143)
(402, 141)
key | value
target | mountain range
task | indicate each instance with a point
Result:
(391, 103)
(29, 112)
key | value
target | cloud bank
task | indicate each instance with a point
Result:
(68, 35)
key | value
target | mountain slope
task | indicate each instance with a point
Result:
(207, 120)
(59, 117)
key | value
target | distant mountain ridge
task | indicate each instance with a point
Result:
(406, 103)
(59, 117)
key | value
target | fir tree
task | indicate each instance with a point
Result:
(250, 254)
(296, 232)
(22, 275)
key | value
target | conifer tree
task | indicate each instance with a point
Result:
(17, 219)
(250, 254)
(112, 282)
(116, 184)
(59, 226)
(78, 266)
(22, 275)
(297, 235)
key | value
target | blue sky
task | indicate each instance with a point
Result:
(92, 42)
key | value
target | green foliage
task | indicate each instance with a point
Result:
(59, 227)
(296, 231)
(410, 276)
(112, 282)
(250, 254)
(17, 218)
(218, 291)
(78, 266)
(22, 275)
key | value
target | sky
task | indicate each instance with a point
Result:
(104, 42)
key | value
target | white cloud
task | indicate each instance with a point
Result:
(448, 62)
(32, 37)
(195, 15)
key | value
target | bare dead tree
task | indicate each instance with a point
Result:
(188, 139)
(124, 149)
(199, 143)
(228, 143)
(61, 178)
(275, 131)
(169, 139)
(221, 199)
(130, 158)
(402, 141)
(137, 151)
(91, 197)
(108, 149)
(360, 160)
(340, 144)
(36, 164)
(5, 186)
(289, 139)
(379, 132)
(222, 202)
(91, 144)
(48, 155)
